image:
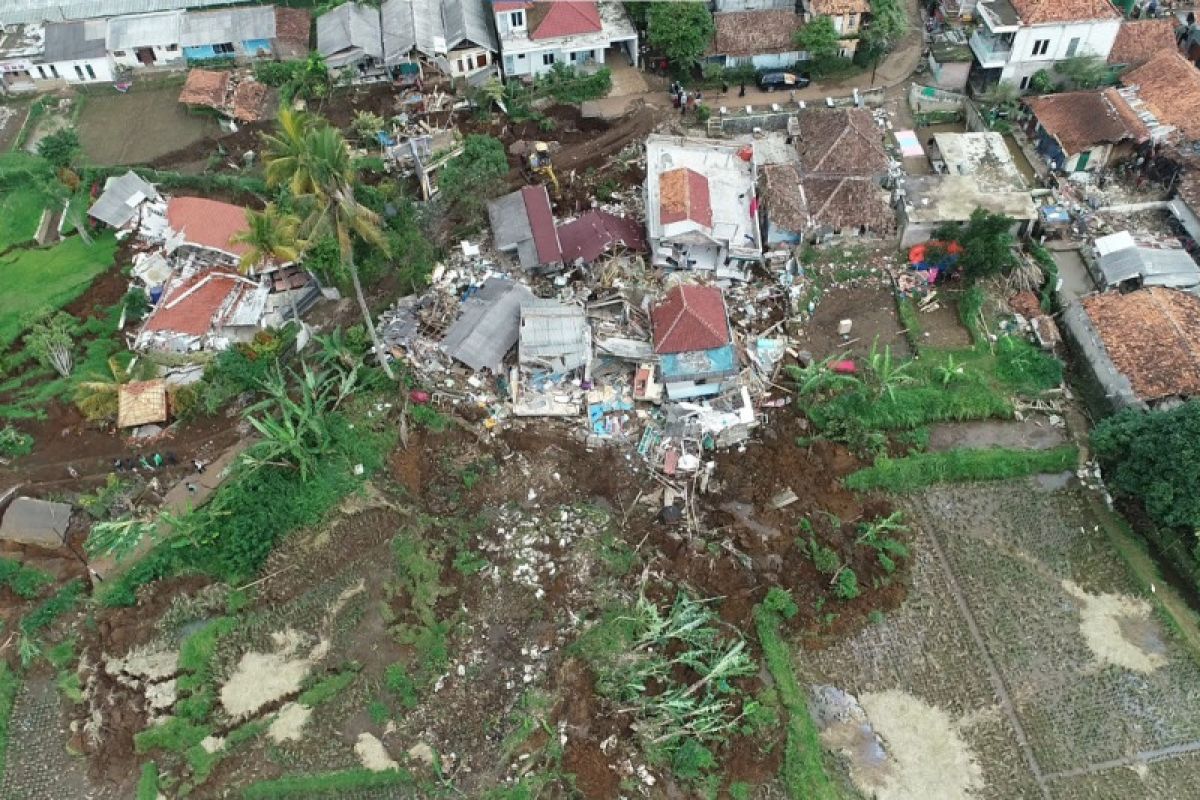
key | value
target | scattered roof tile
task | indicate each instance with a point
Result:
(1169, 86)
(192, 306)
(751, 33)
(1152, 337)
(141, 403)
(684, 195)
(594, 232)
(250, 101)
(841, 141)
(1080, 120)
(548, 18)
(1033, 12)
(690, 318)
(208, 223)
(1139, 40)
(205, 87)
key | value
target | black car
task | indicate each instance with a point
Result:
(770, 81)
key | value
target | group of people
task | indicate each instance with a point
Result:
(686, 101)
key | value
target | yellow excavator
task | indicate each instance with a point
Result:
(540, 166)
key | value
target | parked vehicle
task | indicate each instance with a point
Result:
(770, 81)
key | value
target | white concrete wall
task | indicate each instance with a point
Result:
(163, 58)
(65, 71)
(461, 60)
(533, 64)
(767, 60)
(1095, 38)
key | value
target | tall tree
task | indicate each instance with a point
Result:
(681, 31)
(272, 240)
(819, 39)
(314, 158)
(889, 19)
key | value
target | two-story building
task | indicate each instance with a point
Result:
(1017, 38)
(848, 17)
(534, 36)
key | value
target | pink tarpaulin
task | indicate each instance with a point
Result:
(910, 146)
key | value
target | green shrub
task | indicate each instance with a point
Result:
(26, 582)
(825, 559)
(692, 760)
(10, 682)
(958, 466)
(14, 443)
(147, 787)
(1025, 368)
(175, 735)
(327, 689)
(398, 682)
(846, 587)
(911, 321)
(970, 303)
(44, 615)
(327, 783)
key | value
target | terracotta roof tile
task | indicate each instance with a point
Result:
(205, 87)
(1169, 86)
(848, 202)
(1033, 12)
(208, 223)
(749, 33)
(563, 18)
(250, 101)
(594, 232)
(840, 141)
(191, 307)
(684, 195)
(1080, 120)
(293, 25)
(690, 318)
(838, 7)
(1152, 337)
(141, 403)
(784, 198)
(1139, 40)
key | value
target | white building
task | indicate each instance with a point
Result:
(701, 205)
(1016, 38)
(146, 40)
(534, 36)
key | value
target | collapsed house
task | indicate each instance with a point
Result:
(210, 309)
(702, 206)
(233, 95)
(692, 341)
(1123, 262)
(980, 173)
(1140, 349)
(118, 206)
(487, 326)
(523, 223)
(1084, 131)
(554, 354)
(597, 232)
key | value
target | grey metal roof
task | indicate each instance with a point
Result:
(554, 336)
(144, 30)
(72, 41)
(510, 221)
(21, 11)
(36, 522)
(120, 199)
(467, 20)
(227, 25)
(348, 33)
(400, 29)
(487, 327)
(1171, 267)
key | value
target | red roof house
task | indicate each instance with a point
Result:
(193, 306)
(563, 18)
(684, 195)
(690, 318)
(208, 223)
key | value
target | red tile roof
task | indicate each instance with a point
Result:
(1080, 120)
(1033, 12)
(191, 307)
(752, 33)
(208, 223)
(205, 87)
(683, 195)
(509, 5)
(1169, 86)
(563, 18)
(541, 224)
(690, 318)
(594, 232)
(1139, 40)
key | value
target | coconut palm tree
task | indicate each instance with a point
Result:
(97, 397)
(272, 239)
(314, 160)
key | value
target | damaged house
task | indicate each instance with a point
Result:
(1123, 262)
(1084, 131)
(763, 39)
(595, 233)
(554, 355)
(523, 224)
(118, 205)
(487, 326)
(1140, 349)
(835, 189)
(211, 309)
(702, 206)
(234, 96)
(693, 342)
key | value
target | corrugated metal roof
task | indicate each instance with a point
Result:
(144, 30)
(347, 33)
(487, 327)
(432, 26)
(227, 25)
(120, 199)
(72, 41)
(22, 11)
(554, 336)
(1155, 266)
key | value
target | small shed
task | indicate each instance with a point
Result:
(554, 336)
(1123, 260)
(141, 403)
(121, 198)
(36, 522)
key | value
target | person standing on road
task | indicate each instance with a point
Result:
(724, 88)
(742, 90)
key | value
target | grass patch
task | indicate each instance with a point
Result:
(10, 682)
(26, 582)
(195, 685)
(147, 786)
(327, 689)
(327, 783)
(52, 608)
(960, 466)
(803, 772)
(49, 278)
(911, 321)
(20, 213)
(176, 735)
